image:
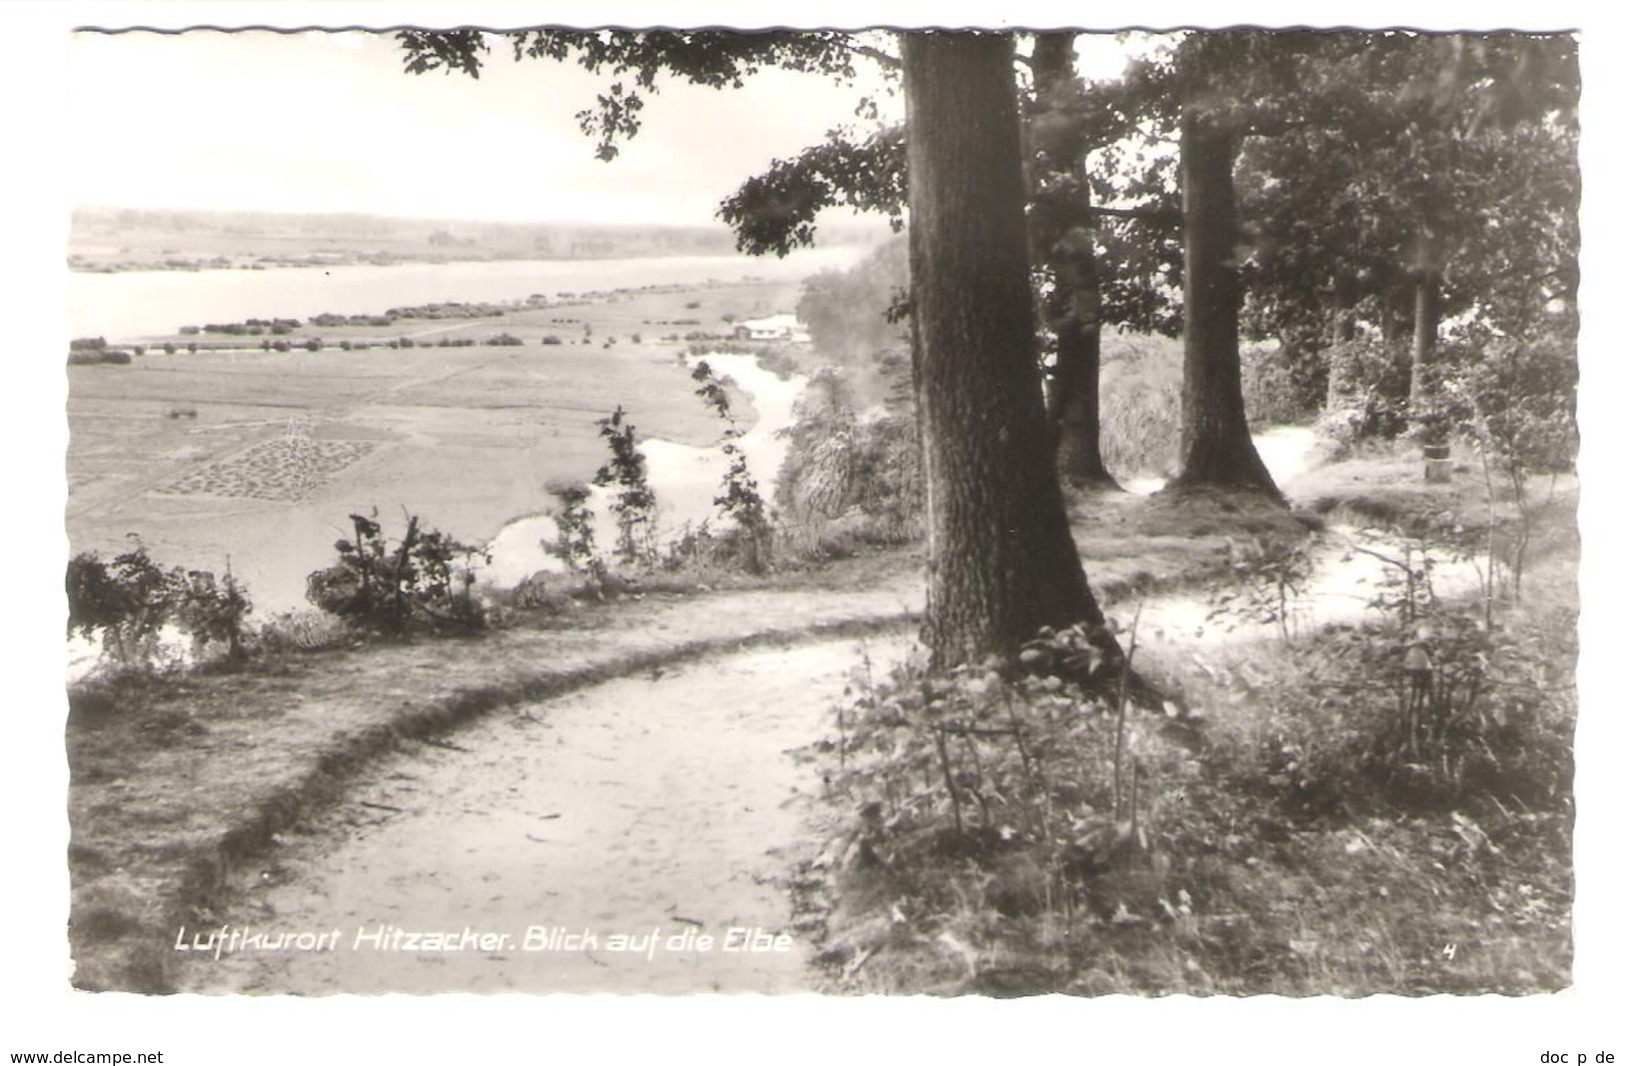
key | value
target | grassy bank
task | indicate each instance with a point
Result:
(175, 782)
(1327, 831)
(179, 782)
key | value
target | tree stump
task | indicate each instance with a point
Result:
(1438, 463)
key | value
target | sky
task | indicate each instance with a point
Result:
(324, 122)
(330, 122)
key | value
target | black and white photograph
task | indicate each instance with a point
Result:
(1000, 512)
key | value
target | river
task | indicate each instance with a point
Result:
(686, 478)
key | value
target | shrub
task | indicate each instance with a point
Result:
(1368, 391)
(575, 543)
(1033, 781)
(1280, 386)
(1439, 713)
(113, 357)
(391, 589)
(740, 500)
(627, 475)
(1516, 403)
(128, 602)
(303, 631)
(862, 471)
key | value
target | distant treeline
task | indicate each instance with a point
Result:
(84, 351)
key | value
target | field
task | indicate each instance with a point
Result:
(255, 458)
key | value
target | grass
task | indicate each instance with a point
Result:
(177, 781)
(1290, 845)
(1235, 890)
(471, 433)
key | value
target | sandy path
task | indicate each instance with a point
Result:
(651, 807)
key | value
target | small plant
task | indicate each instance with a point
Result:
(740, 500)
(1262, 586)
(129, 602)
(626, 473)
(574, 545)
(1520, 404)
(211, 610)
(390, 589)
(1039, 783)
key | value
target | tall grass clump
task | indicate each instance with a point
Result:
(1140, 382)
(849, 478)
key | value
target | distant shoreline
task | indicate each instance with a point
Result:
(81, 264)
(117, 240)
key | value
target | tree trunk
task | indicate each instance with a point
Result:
(1424, 329)
(1062, 230)
(1215, 445)
(1342, 329)
(1001, 559)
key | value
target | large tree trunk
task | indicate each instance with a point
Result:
(1001, 558)
(1215, 445)
(1424, 328)
(1062, 230)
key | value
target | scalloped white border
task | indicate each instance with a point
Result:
(41, 1014)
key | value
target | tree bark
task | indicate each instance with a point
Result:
(1424, 327)
(1216, 448)
(1062, 228)
(1342, 329)
(1001, 559)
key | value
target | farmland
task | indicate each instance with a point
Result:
(255, 457)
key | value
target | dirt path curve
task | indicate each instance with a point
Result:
(659, 808)
(160, 846)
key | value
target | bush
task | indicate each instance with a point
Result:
(628, 477)
(863, 471)
(112, 357)
(127, 603)
(303, 631)
(739, 500)
(1278, 389)
(1368, 393)
(1027, 784)
(575, 545)
(389, 590)
(1431, 708)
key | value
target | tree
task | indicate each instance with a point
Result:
(1437, 178)
(1002, 562)
(776, 211)
(1063, 236)
(1215, 445)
